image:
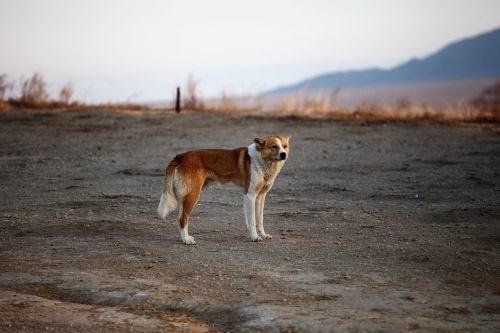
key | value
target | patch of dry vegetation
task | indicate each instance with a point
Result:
(192, 100)
(33, 93)
(488, 103)
(301, 102)
(484, 109)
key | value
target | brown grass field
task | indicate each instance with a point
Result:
(479, 102)
(379, 226)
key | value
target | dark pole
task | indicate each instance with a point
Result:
(178, 101)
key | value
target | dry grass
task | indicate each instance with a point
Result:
(33, 94)
(488, 103)
(192, 101)
(302, 102)
(322, 105)
(34, 89)
(228, 103)
(401, 112)
(66, 93)
(5, 86)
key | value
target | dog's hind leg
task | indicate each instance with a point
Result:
(188, 203)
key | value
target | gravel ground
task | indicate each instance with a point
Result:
(377, 228)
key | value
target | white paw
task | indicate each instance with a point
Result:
(267, 236)
(189, 240)
(257, 239)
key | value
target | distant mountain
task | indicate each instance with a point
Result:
(472, 58)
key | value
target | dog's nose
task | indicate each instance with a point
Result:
(283, 155)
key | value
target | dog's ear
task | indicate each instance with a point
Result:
(259, 143)
(285, 138)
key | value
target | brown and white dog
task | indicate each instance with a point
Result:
(254, 168)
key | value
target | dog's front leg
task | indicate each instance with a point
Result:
(249, 205)
(259, 205)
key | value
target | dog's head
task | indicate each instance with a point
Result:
(273, 148)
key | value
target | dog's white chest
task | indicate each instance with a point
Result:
(263, 176)
(263, 173)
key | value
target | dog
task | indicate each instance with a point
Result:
(254, 168)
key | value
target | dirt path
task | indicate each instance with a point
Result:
(387, 227)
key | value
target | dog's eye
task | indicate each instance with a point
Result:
(275, 147)
(285, 146)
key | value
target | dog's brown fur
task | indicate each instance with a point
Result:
(201, 167)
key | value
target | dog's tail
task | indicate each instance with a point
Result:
(169, 199)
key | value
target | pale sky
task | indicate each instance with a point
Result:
(141, 50)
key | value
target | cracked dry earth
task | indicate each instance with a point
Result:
(377, 228)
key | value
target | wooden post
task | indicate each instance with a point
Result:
(178, 100)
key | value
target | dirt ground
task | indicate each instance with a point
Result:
(377, 228)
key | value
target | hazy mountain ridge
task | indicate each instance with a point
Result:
(471, 58)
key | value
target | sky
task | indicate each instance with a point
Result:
(126, 50)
